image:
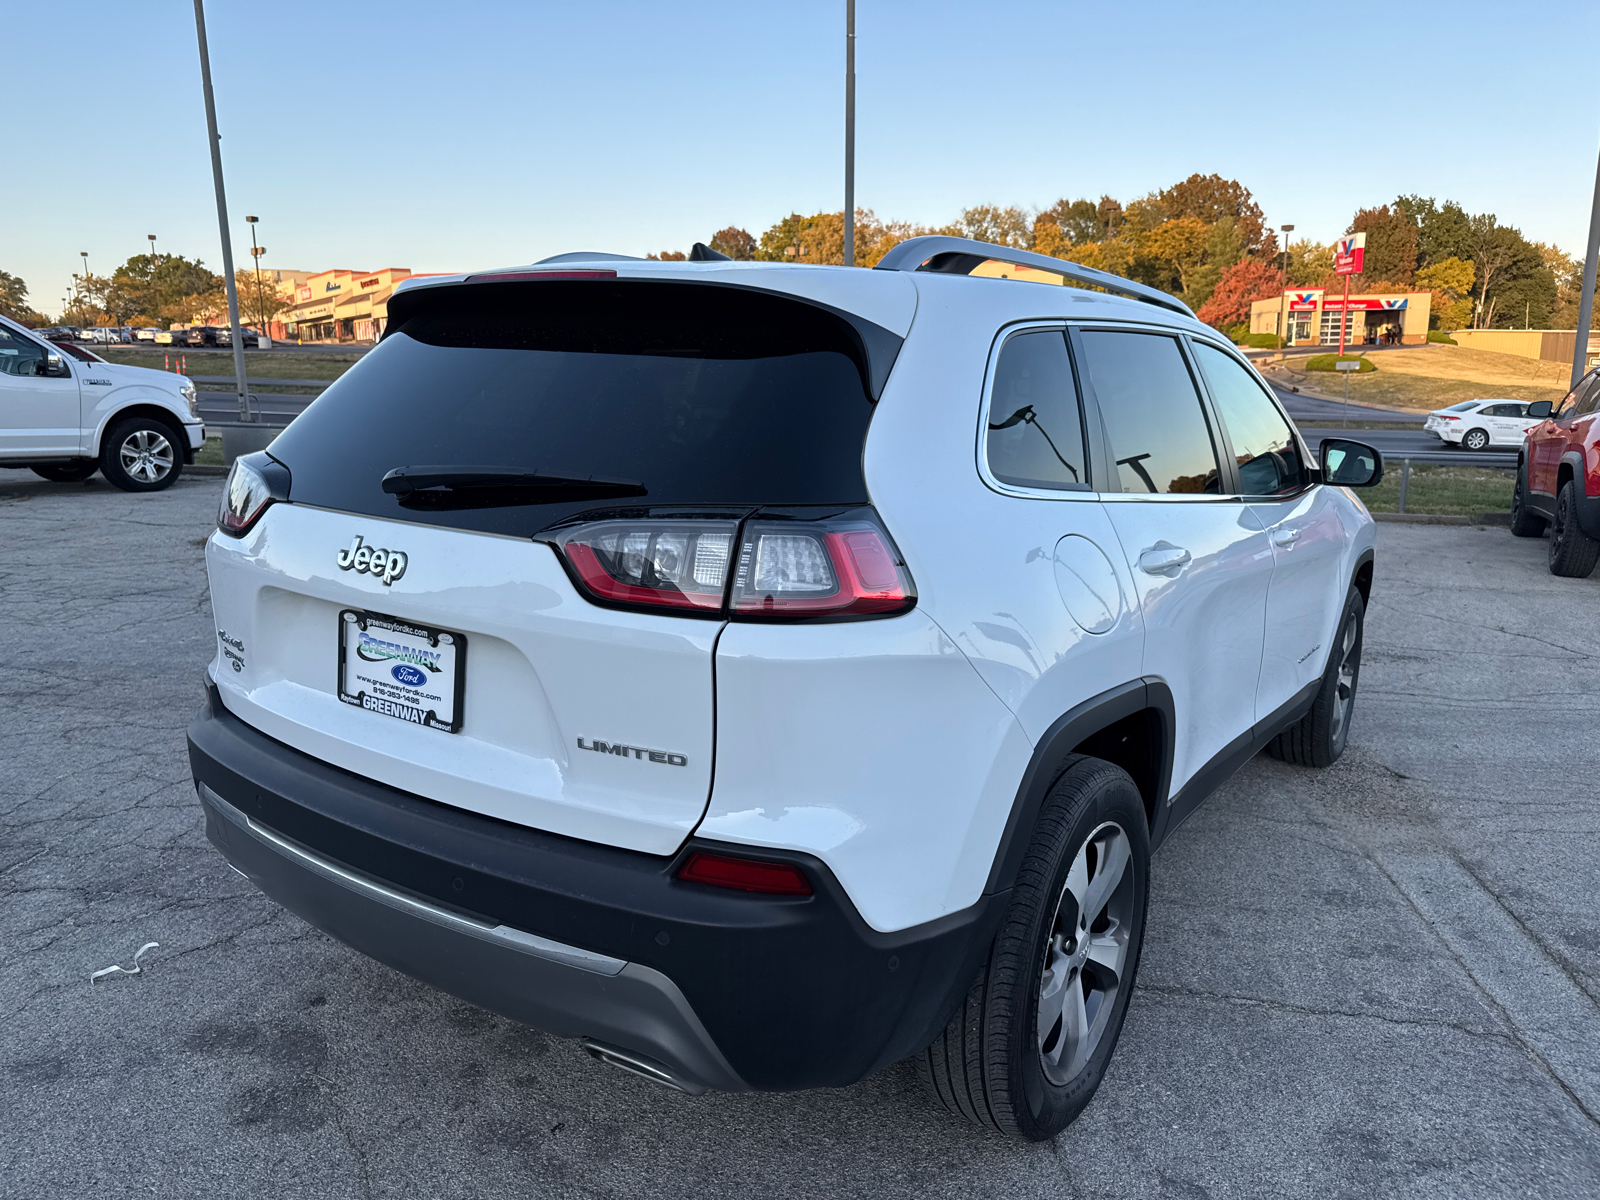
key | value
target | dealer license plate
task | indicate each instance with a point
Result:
(402, 670)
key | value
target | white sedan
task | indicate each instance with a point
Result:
(1479, 424)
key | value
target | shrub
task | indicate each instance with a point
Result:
(1324, 362)
(1236, 333)
(1259, 341)
(1439, 335)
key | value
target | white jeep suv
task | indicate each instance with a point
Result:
(766, 673)
(66, 413)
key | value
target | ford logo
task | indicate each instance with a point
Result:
(407, 674)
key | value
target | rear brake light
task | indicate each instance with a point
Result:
(745, 874)
(670, 564)
(782, 567)
(254, 483)
(807, 569)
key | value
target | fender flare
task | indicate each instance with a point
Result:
(1068, 731)
(146, 399)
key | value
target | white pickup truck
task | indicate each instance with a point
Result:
(66, 413)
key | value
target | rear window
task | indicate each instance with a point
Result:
(697, 394)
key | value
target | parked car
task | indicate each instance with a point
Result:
(203, 335)
(65, 413)
(172, 337)
(968, 614)
(147, 334)
(1480, 424)
(1558, 479)
(225, 337)
(109, 335)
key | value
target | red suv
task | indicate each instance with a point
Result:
(1558, 479)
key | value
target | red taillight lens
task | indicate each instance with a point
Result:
(744, 874)
(808, 569)
(1452, 418)
(246, 496)
(668, 564)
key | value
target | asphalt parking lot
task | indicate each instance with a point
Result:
(1381, 979)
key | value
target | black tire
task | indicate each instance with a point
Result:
(141, 454)
(992, 1064)
(1573, 553)
(1475, 440)
(1319, 737)
(75, 471)
(1524, 521)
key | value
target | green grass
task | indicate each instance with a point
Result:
(1324, 362)
(269, 364)
(1444, 491)
(210, 454)
(1258, 341)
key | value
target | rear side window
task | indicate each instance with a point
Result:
(1152, 413)
(1264, 446)
(1035, 434)
(689, 394)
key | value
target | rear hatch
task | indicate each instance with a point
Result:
(415, 608)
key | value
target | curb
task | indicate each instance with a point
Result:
(1480, 519)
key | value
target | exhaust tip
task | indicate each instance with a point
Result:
(638, 1065)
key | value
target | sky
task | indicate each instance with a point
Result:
(459, 136)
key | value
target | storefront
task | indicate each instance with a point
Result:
(341, 306)
(1314, 318)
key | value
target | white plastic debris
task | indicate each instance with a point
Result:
(115, 970)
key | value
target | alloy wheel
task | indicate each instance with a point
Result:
(146, 456)
(1086, 956)
(1344, 689)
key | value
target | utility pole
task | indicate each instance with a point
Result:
(1283, 296)
(849, 133)
(222, 213)
(255, 253)
(155, 287)
(1580, 339)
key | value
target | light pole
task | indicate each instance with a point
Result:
(1580, 339)
(255, 253)
(1283, 296)
(155, 290)
(849, 133)
(222, 212)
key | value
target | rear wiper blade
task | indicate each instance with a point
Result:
(496, 487)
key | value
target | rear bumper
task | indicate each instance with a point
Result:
(705, 987)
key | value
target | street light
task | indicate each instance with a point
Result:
(256, 252)
(155, 291)
(1283, 295)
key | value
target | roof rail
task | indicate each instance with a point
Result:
(958, 256)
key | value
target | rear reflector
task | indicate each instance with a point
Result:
(744, 874)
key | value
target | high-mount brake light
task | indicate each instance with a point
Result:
(783, 567)
(744, 874)
(247, 494)
(517, 276)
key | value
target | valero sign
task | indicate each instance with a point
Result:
(1349, 254)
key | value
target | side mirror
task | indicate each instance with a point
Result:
(55, 367)
(1540, 410)
(1350, 464)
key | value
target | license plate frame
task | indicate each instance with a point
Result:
(426, 649)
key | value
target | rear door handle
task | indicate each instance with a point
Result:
(1285, 537)
(1163, 559)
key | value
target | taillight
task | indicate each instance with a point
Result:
(774, 566)
(1452, 418)
(807, 569)
(667, 564)
(744, 874)
(254, 483)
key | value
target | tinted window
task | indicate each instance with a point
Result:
(1035, 427)
(702, 395)
(1152, 413)
(1263, 444)
(1463, 406)
(1588, 400)
(18, 355)
(1503, 410)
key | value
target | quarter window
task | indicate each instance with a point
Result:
(1152, 413)
(1035, 434)
(1264, 446)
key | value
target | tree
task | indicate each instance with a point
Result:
(1241, 285)
(1002, 226)
(1223, 249)
(1391, 244)
(734, 242)
(1078, 222)
(154, 288)
(259, 298)
(1442, 229)
(1209, 198)
(1309, 263)
(14, 301)
(1450, 281)
(668, 256)
(1178, 247)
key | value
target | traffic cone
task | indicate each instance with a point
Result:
(166, 361)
